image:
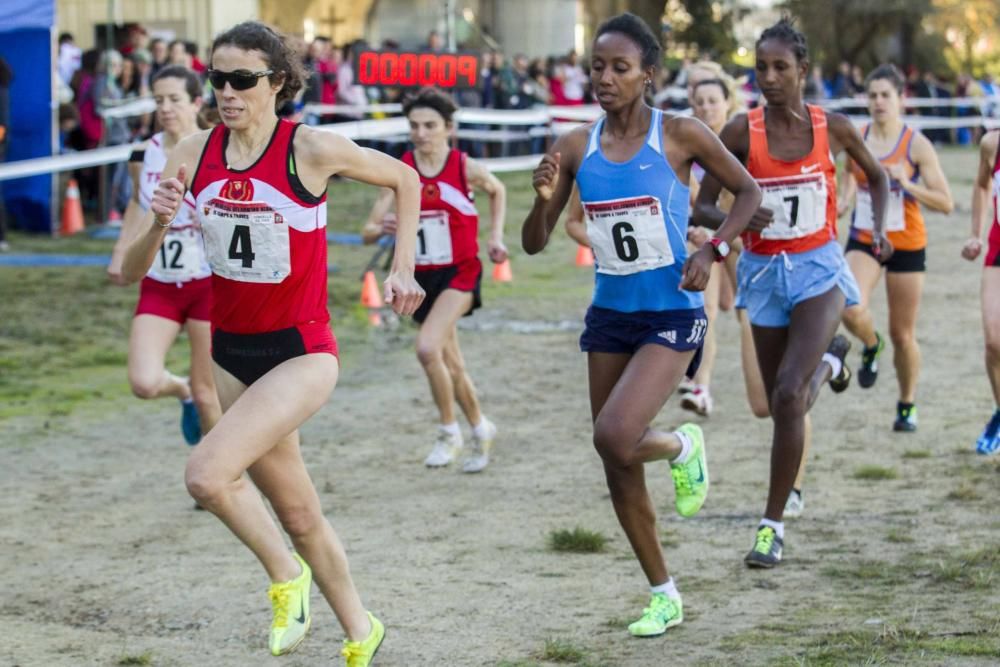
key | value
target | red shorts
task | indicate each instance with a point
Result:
(993, 246)
(179, 302)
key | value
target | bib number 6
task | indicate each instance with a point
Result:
(626, 246)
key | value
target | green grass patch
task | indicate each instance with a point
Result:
(579, 540)
(917, 454)
(964, 492)
(560, 650)
(874, 473)
(897, 536)
(142, 659)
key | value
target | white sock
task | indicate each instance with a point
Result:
(685, 447)
(668, 588)
(452, 429)
(836, 365)
(481, 430)
(779, 527)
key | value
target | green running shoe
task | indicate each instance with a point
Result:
(691, 478)
(868, 371)
(663, 612)
(906, 418)
(766, 552)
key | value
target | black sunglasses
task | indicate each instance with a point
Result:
(240, 79)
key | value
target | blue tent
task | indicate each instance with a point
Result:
(26, 44)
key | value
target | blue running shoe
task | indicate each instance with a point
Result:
(190, 423)
(989, 441)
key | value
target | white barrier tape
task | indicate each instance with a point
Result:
(499, 165)
(397, 129)
(137, 107)
(317, 109)
(81, 160)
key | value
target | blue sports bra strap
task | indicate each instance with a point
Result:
(655, 131)
(595, 137)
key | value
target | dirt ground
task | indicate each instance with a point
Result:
(104, 562)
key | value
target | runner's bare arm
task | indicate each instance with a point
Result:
(981, 194)
(131, 226)
(726, 171)
(553, 182)
(933, 191)
(325, 154)
(576, 223)
(167, 201)
(704, 147)
(848, 191)
(735, 137)
(377, 223)
(481, 178)
(845, 136)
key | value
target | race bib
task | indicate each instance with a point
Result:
(864, 213)
(433, 239)
(181, 257)
(246, 241)
(628, 235)
(799, 205)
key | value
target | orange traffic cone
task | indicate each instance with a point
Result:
(371, 297)
(72, 213)
(502, 272)
(584, 256)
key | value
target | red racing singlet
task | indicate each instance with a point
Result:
(449, 223)
(802, 193)
(265, 237)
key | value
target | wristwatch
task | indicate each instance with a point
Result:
(721, 249)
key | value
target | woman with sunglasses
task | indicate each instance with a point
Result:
(259, 185)
(176, 292)
(448, 267)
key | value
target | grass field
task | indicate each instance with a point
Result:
(895, 561)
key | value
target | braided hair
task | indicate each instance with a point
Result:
(784, 31)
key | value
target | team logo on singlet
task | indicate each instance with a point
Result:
(431, 191)
(237, 190)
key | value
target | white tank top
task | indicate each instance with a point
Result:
(182, 255)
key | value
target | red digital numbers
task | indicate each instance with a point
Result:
(409, 70)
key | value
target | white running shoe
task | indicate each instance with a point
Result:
(686, 386)
(479, 456)
(698, 400)
(794, 506)
(446, 447)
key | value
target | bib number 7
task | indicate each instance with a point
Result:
(792, 211)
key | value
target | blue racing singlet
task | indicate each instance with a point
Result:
(637, 219)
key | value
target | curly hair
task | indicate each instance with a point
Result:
(278, 52)
(638, 31)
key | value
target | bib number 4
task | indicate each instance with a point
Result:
(241, 246)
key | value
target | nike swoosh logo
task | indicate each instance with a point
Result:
(302, 613)
(643, 167)
(701, 473)
(810, 168)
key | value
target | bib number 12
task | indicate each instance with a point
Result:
(240, 246)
